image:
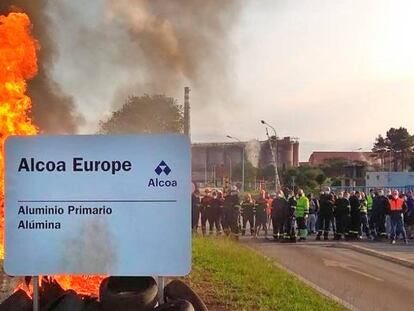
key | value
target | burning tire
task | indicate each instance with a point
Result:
(128, 293)
(69, 301)
(19, 301)
(178, 305)
(177, 290)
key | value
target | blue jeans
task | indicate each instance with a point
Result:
(397, 226)
(312, 223)
(388, 225)
(365, 225)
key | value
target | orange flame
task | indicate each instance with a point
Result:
(18, 63)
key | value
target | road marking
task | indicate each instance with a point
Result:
(345, 266)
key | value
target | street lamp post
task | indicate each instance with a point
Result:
(231, 170)
(235, 138)
(274, 153)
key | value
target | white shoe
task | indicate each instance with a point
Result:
(393, 242)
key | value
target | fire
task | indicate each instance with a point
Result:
(82, 284)
(18, 63)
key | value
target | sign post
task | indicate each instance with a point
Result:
(115, 205)
(161, 285)
(35, 280)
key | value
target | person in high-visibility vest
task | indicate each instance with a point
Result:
(363, 210)
(370, 202)
(302, 212)
(396, 208)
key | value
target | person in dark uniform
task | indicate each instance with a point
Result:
(342, 213)
(378, 215)
(290, 231)
(231, 222)
(280, 209)
(247, 212)
(355, 221)
(195, 209)
(313, 213)
(206, 210)
(325, 217)
(221, 212)
(261, 206)
(214, 214)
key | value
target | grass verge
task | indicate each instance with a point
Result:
(230, 276)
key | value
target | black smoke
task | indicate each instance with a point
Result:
(53, 111)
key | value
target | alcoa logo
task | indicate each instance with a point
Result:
(162, 169)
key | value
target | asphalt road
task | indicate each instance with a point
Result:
(365, 282)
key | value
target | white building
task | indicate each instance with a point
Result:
(389, 179)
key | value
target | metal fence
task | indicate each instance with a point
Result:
(402, 189)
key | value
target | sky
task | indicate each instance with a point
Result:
(333, 73)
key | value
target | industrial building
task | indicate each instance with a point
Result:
(320, 157)
(212, 162)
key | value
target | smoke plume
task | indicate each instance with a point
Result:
(53, 110)
(112, 49)
(253, 149)
(177, 42)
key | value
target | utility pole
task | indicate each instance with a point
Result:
(230, 171)
(274, 154)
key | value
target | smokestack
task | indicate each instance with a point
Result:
(187, 111)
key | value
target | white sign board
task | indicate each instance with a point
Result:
(116, 205)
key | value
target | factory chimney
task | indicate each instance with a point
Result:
(187, 111)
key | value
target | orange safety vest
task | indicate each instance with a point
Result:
(396, 204)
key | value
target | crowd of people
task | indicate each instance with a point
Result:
(294, 216)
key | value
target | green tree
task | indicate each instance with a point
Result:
(145, 114)
(303, 176)
(411, 163)
(398, 143)
(250, 172)
(267, 173)
(334, 167)
(380, 149)
(320, 179)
